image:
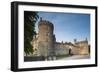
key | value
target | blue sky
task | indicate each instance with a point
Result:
(68, 26)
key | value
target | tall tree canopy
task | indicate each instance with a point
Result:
(30, 19)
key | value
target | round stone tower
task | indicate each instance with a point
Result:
(46, 38)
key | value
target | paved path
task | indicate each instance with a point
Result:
(77, 57)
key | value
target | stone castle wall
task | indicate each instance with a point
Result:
(45, 43)
(45, 39)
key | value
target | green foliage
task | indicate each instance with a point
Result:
(30, 19)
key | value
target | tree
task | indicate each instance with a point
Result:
(30, 19)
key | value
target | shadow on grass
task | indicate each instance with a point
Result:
(33, 58)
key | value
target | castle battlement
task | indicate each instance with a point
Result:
(45, 22)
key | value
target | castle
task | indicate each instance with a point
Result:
(45, 44)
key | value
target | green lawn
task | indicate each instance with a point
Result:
(62, 56)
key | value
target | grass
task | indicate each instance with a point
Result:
(62, 56)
